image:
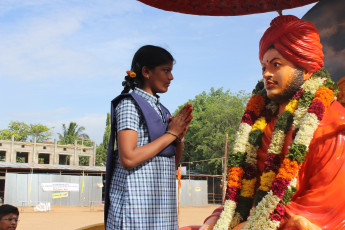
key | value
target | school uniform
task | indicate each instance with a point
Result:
(143, 197)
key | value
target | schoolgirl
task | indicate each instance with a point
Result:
(141, 176)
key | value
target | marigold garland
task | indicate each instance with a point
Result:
(256, 104)
(235, 178)
(278, 181)
(325, 95)
(266, 180)
(259, 124)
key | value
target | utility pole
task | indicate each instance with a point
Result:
(225, 167)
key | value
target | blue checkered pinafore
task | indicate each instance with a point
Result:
(143, 197)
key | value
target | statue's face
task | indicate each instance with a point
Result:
(281, 77)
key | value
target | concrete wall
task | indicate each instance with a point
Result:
(54, 150)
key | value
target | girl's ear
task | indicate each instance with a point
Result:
(145, 72)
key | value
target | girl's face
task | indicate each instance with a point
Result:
(157, 80)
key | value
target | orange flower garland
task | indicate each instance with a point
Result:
(289, 169)
(256, 104)
(235, 178)
(325, 95)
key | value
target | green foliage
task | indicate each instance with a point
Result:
(322, 73)
(289, 192)
(21, 128)
(26, 132)
(306, 99)
(260, 89)
(84, 160)
(297, 152)
(255, 137)
(106, 135)
(284, 121)
(41, 132)
(20, 159)
(332, 85)
(72, 133)
(102, 149)
(328, 83)
(215, 114)
(236, 159)
(6, 134)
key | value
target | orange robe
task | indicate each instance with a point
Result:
(320, 193)
(321, 181)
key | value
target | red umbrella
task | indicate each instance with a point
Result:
(225, 7)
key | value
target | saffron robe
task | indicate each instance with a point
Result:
(321, 180)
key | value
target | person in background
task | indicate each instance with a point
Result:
(141, 172)
(8, 217)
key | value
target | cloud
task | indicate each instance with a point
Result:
(94, 125)
(334, 62)
(329, 18)
(57, 42)
(35, 47)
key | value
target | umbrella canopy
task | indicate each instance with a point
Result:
(225, 7)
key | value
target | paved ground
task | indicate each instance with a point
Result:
(71, 218)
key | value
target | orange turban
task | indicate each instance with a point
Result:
(296, 40)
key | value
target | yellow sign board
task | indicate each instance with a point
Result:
(60, 195)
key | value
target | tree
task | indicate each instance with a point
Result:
(20, 128)
(102, 149)
(215, 114)
(26, 132)
(72, 133)
(41, 132)
(84, 160)
(6, 134)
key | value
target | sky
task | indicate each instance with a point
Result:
(65, 60)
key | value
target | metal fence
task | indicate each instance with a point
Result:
(62, 190)
(193, 193)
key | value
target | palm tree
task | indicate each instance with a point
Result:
(72, 133)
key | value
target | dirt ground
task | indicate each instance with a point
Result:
(72, 218)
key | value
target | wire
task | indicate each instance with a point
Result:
(191, 162)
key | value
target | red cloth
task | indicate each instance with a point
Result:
(321, 180)
(296, 40)
(225, 7)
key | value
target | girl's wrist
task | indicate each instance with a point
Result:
(174, 134)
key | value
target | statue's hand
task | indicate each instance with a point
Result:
(240, 226)
(300, 223)
(210, 223)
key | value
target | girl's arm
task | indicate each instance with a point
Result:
(132, 156)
